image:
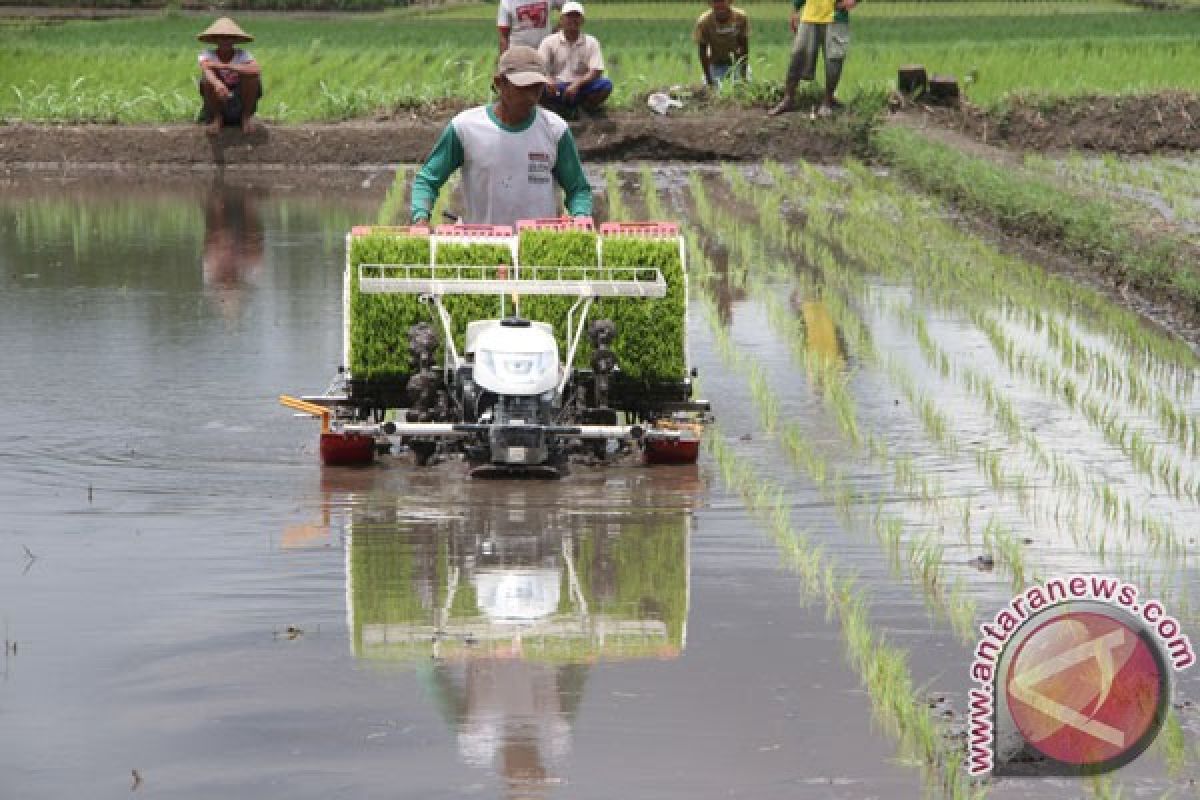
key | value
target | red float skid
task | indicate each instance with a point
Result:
(347, 449)
(670, 451)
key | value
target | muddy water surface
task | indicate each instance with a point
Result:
(192, 607)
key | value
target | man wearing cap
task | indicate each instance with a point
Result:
(229, 78)
(511, 153)
(574, 63)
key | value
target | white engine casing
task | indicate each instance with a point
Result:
(512, 360)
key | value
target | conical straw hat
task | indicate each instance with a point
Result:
(224, 28)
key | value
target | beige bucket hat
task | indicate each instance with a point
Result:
(224, 28)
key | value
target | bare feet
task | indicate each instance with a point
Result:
(214, 127)
(251, 125)
(784, 107)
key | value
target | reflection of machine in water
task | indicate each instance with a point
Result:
(515, 597)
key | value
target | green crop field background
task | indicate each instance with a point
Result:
(143, 69)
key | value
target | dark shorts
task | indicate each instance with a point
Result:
(597, 86)
(233, 106)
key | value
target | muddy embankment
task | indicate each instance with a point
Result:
(730, 136)
(1132, 125)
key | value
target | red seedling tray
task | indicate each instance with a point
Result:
(406, 230)
(464, 229)
(557, 224)
(647, 229)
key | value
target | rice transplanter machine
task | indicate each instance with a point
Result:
(509, 402)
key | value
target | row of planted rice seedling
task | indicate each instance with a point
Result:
(852, 228)
(923, 489)
(1094, 409)
(1005, 480)
(1089, 226)
(923, 553)
(881, 665)
(650, 344)
(1160, 186)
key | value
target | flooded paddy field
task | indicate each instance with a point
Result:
(911, 427)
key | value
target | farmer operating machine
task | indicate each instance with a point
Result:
(517, 351)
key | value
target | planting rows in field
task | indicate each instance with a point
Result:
(1064, 432)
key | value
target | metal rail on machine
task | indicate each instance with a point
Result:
(645, 282)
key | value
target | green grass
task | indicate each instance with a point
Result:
(143, 69)
(1095, 229)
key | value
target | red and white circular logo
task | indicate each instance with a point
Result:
(1087, 689)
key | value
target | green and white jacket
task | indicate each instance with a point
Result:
(509, 172)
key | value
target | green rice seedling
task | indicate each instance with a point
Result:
(658, 325)
(441, 206)
(549, 248)
(858, 238)
(963, 609)
(650, 195)
(1087, 225)
(391, 211)
(617, 212)
(890, 529)
(379, 323)
(926, 559)
(553, 255)
(764, 398)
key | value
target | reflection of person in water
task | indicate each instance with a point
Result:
(510, 714)
(821, 333)
(233, 242)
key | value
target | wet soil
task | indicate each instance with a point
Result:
(726, 135)
(1135, 124)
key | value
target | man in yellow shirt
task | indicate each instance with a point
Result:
(722, 37)
(824, 26)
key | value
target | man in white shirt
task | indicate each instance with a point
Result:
(514, 156)
(574, 64)
(525, 22)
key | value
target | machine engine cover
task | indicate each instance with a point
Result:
(512, 360)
